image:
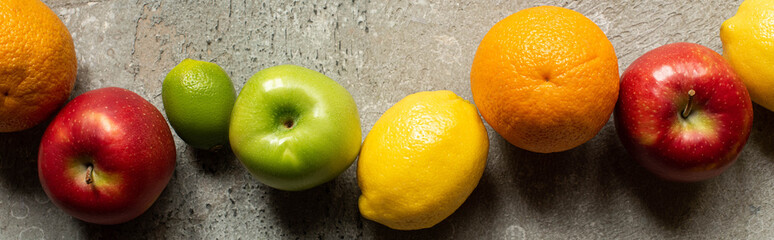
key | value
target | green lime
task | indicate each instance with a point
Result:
(198, 97)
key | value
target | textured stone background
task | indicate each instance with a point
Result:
(382, 51)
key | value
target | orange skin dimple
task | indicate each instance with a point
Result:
(37, 64)
(545, 78)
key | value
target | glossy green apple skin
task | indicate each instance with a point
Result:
(294, 128)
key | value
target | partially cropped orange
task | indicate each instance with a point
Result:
(37, 64)
(545, 78)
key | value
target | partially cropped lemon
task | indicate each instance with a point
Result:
(748, 44)
(421, 160)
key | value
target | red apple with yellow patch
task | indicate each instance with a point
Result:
(107, 156)
(682, 112)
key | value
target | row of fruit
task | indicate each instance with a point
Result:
(544, 78)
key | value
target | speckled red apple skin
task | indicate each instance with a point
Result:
(654, 92)
(129, 144)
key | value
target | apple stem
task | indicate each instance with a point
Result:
(89, 173)
(289, 123)
(687, 111)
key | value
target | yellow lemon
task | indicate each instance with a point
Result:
(748, 44)
(421, 160)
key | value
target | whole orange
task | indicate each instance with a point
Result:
(545, 78)
(37, 64)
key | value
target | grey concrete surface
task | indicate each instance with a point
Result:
(382, 51)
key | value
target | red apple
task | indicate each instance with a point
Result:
(106, 157)
(682, 112)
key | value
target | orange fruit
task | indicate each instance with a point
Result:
(37, 64)
(545, 78)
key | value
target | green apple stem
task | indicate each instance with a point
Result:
(89, 173)
(687, 110)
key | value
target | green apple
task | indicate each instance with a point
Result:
(294, 128)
